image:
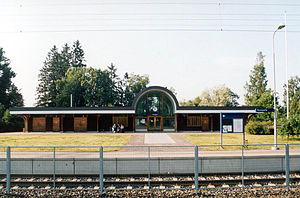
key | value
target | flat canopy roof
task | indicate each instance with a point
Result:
(126, 110)
(131, 110)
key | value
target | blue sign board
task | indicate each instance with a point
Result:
(263, 110)
(237, 123)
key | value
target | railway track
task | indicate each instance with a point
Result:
(142, 182)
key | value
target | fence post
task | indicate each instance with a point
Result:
(54, 167)
(196, 169)
(149, 169)
(287, 167)
(8, 170)
(101, 170)
(243, 168)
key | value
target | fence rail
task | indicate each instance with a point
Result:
(143, 160)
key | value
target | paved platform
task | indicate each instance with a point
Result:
(158, 138)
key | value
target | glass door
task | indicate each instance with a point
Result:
(154, 123)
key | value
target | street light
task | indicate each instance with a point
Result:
(280, 26)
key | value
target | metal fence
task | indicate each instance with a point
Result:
(148, 161)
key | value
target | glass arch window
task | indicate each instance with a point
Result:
(155, 103)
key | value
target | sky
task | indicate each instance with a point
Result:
(189, 45)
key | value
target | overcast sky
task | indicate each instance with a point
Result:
(189, 45)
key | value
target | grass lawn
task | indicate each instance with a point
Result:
(66, 139)
(230, 139)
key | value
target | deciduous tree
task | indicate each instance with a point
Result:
(217, 96)
(294, 95)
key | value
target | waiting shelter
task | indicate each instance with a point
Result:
(154, 109)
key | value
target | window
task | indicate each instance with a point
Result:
(193, 121)
(155, 103)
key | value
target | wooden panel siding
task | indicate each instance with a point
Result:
(80, 123)
(56, 124)
(205, 123)
(38, 124)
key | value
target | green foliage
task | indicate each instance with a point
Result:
(93, 87)
(54, 69)
(65, 73)
(294, 95)
(217, 96)
(134, 83)
(258, 81)
(74, 83)
(10, 96)
(77, 55)
(257, 93)
(290, 127)
(258, 127)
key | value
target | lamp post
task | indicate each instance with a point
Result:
(274, 81)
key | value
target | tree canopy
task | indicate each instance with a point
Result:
(294, 95)
(10, 96)
(257, 93)
(55, 67)
(257, 84)
(65, 73)
(217, 96)
(94, 87)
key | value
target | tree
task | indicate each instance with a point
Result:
(223, 96)
(258, 81)
(54, 69)
(217, 96)
(114, 88)
(77, 55)
(75, 83)
(134, 83)
(290, 127)
(10, 96)
(257, 93)
(294, 95)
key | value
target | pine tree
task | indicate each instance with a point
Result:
(77, 55)
(258, 81)
(54, 69)
(10, 96)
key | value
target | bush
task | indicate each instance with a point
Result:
(290, 127)
(258, 128)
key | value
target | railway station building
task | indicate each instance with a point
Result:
(154, 109)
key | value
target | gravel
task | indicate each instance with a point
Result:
(253, 192)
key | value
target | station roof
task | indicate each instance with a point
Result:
(127, 110)
(131, 110)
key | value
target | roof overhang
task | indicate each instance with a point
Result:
(56, 112)
(196, 111)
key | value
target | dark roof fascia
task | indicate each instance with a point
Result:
(217, 108)
(68, 108)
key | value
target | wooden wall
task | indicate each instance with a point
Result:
(39, 124)
(80, 123)
(56, 124)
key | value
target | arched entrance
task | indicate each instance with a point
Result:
(154, 110)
